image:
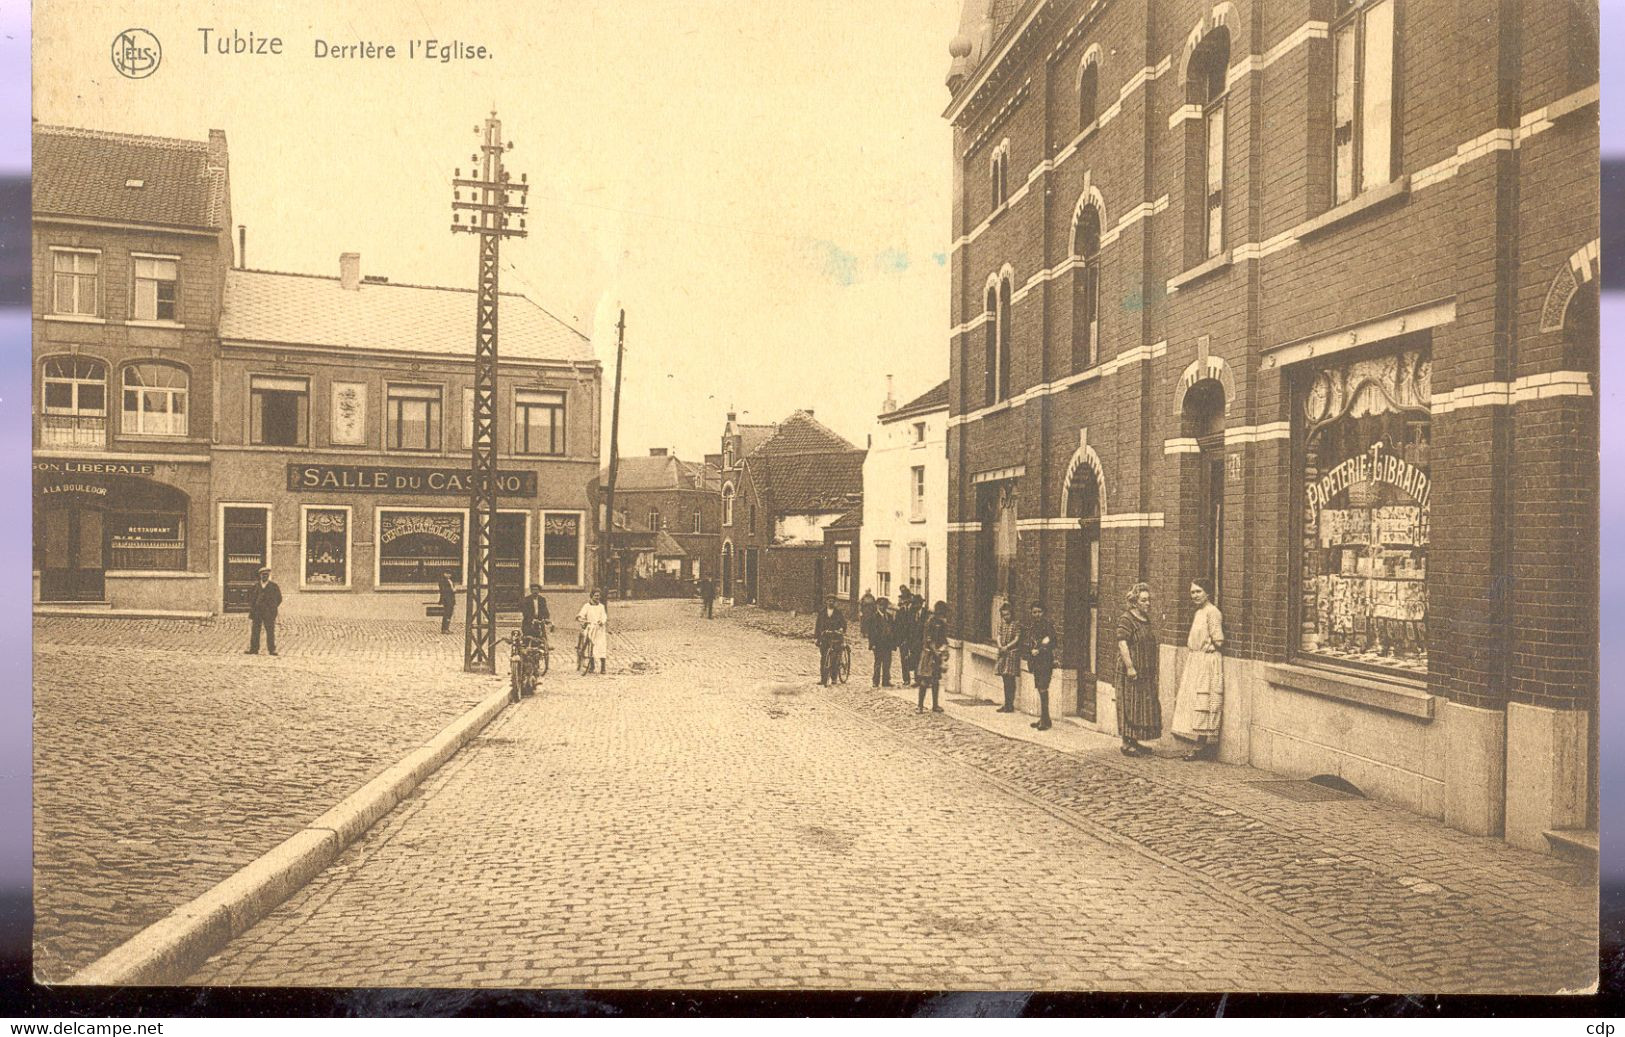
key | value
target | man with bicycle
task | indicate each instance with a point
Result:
(830, 633)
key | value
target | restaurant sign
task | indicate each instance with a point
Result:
(339, 478)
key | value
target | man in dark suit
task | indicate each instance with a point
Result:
(448, 602)
(882, 637)
(262, 609)
(533, 614)
(830, 633)
(910, 626)
(708, 596)
(1040, 652)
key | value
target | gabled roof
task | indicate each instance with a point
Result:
(263, 306)
(662, 472)
(809, 482)
(122, 177)
(932, 400)
(801, 433)
(751, 437)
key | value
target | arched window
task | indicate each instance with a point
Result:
(727, 504)
(1088, 90)
(155, 400)
(1086, 293)
(73, 402)
(1004, 339)
(992, 329)
(1205, 87)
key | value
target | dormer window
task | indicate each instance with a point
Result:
(135, 183)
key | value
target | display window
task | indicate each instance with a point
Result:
(146, 541)
(326, 548)
(1366, 490)
(416, 546)
(561, 548)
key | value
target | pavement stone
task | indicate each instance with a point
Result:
(707, 816)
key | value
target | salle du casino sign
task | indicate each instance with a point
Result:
(349, 478)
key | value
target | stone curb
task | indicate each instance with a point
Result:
(170, 949)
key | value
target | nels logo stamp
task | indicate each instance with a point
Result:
(136, 53)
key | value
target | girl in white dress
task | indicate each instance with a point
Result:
(594, 620)
(1199, 708)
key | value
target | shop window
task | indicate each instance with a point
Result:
(73, 411)
(326, 547)
(413, 416)
(415, 547)
(843, 571)
(146, 541)
(1362, 96)
(1205, 190)
(74, 282)
(882, 569)
(561, 549)
(155, 287)
(1363, 585)
(996, 553)
(1086, 290)
(539, 422)
(155, 400)
(916, 494)
(278, 411)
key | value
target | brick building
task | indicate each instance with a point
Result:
(131, 244)
(782, 486)
(663, 494)
(1300, 296)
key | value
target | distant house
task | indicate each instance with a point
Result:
(905, 500)
(668, 524)
(782, 486)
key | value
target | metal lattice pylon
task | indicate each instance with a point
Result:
(492, 216)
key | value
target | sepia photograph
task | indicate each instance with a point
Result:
(934, 495)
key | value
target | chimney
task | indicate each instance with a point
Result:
(350, 271)
(657, 451)
(891, 400)
(242, 246)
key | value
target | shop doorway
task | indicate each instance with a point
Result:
(1081, 641)
(245, 547)
(508, 538)
(72, 566)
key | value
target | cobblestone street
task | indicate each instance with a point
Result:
(707, 816)
(165, 759)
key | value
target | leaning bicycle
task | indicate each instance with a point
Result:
(528, 660)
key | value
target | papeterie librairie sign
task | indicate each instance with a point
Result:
(351, 478)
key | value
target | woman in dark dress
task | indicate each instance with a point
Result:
(933, 656)
(1139, 713)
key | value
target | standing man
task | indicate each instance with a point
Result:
(448, 601)
(262, 609)
(708, 596)
(882, 635)
(830, 633)
(1040, 652)
(533, 614)
(910, 625)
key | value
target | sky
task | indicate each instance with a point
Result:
(763, 186)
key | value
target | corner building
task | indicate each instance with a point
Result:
(1301, 297)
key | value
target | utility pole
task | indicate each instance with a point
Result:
(489, 210)
(606, 549)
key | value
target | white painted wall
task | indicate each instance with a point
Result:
(802, 529)
(887, 473)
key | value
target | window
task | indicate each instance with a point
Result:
(326, 547)
(843, 570)
(154, 400)
(999, 174)
(73, 410)
(752, 525)
(1088, 90)
(997, 551)
(413, 417)
(278, 411)
(415, 547)
(917, 570)
(1205, 87)
(1004, 339)
(561, 549)
(916, 493)
(919, 432)
(1363, 96)
(654, 520)
(147, 541)
(1366, 491)
(538, 422)
(998, 341)
(882, 569)
(728, 504)
(155, 292)
(991, 318)
(468, 417)
(699, 525)
(73, 282)
(1086, 290)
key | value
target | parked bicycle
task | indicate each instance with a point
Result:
(528, 659)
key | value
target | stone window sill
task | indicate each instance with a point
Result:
(74, 318)
(1356, 206)
(1199, 271)
(1405, 698)
(170, 324)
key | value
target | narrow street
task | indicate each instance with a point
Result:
(708, 816)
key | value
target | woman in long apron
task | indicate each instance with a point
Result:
(1139, 711)
(1199, 707)
(594, 620)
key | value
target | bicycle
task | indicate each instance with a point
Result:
(528, 660)
(843, 663)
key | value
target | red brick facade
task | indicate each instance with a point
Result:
(1460, 258)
